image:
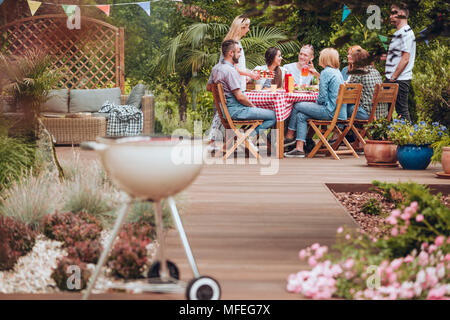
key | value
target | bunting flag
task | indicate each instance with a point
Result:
(145, 6)
(69, 9)
(34, 5)
(104, 8)
(345, 12)
(384, 41)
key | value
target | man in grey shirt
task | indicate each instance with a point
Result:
(400, 58)
(239, 106)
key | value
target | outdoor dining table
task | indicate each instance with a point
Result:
(281, 102)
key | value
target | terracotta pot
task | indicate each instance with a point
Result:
(445, 160)
(380, 153)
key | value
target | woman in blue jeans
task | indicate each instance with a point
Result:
(322, 109)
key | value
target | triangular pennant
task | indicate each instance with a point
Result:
(345, 12)
(34, 5)
(104, 8)
(69, 9)
(384, 40)
(145, 6)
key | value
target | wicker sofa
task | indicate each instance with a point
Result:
(72, 121)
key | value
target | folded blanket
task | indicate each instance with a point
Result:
(124, 120)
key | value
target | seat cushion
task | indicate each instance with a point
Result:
(91, 100)
(101, 114)
(58, 102)
(135, 97)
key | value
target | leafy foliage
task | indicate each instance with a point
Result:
(16, 239)
(85, 251)
(372, 207)
(63, 274)
(402, 132)
(378, 129)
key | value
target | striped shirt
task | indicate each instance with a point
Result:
(402, 41)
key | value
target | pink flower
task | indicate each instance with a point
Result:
(347, 237)
(439, 241)
(436, 293)
(394, 232)
(432, 248)
(391, 220)
(423, 258)
(447, 257)
(302, 254)
(312, 262)
(340, 230)
(406, 216)
(315, 246)
(403, 229)
(409, 259)
(349, 264)
(395, 213)
(419, 218)
(414, 205)
(395, 264)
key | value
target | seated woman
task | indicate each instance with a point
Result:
(322, 109)
(344, 71)
(273, 62)
(364, 72)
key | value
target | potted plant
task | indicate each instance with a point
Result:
(379, 150)
(441, 153)
(414, 141)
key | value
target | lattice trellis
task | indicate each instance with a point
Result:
(92, 56)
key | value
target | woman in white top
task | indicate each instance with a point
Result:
(273, 61)
(238, 29)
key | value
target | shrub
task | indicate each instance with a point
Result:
(85, 251)
(372, 207)
(402, 132)
(432, 84)
(378, 129)
(16, 240)
(16, 157)
(88, 191)
(436, 216)
(70, 228)
(143, 211)
(70, 274)
(129, 256)
(140, 229)
(31, 198)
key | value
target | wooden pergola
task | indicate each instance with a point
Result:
(90, 57)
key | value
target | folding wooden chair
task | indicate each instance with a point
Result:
(348, 93)
(383, 93)
(236, 125)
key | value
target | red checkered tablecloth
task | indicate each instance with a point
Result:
(280, 101)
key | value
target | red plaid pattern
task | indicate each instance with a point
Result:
(280, 101)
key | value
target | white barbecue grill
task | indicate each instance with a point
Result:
(153, 168)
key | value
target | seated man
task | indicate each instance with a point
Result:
(305, 57)
(239, 106)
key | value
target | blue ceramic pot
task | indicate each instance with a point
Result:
(414, 157)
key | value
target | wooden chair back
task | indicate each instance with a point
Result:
(351, 95)
(384, 93)
(221, 105)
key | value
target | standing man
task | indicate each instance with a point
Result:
(400, 57)
(239, 106)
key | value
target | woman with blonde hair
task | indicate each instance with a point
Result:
(322, 109)
(238, 29)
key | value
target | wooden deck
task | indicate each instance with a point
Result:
(246, 229)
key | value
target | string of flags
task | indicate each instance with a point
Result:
(69, 9)
(345, 12)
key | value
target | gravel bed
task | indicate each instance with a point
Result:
(32, 272)
(372, 224)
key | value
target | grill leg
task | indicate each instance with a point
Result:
(164, 274)
(120, 218)
(184, 240)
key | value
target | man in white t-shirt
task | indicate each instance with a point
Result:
(400, 57)
(305, 57)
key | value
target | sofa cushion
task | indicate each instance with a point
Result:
(91, 100)
(136, 95)
(58, 102)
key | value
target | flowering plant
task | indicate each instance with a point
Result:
(402, 132)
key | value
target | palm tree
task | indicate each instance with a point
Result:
(195, 51)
